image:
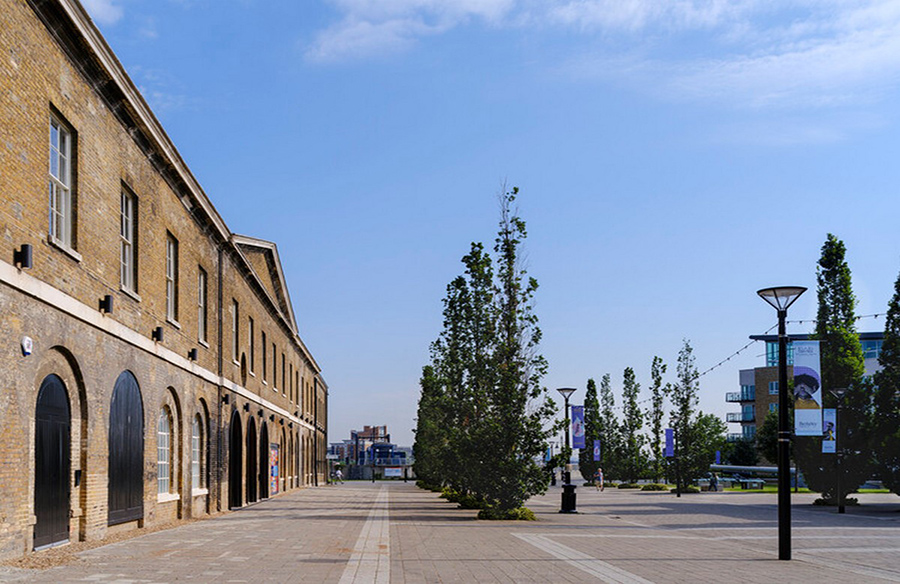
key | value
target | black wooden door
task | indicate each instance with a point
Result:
(51, 463)
(264, 461)
(252, 468)
(126, 451)
(234, 462)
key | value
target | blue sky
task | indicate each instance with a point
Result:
(673, 158)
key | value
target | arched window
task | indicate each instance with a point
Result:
(197, 453)
(164, 451)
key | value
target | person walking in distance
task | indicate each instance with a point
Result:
(339, 476)
(598, 479)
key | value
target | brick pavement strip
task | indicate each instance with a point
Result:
(393, 532)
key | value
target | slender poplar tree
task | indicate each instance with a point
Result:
(592, 423)
(886, 431)
(658, 393)
(610, 434)
(632, 421)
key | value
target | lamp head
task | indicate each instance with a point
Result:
(566, 391)
(780, 297)
(839, 392)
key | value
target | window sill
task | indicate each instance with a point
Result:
(252, 374)
(204, 343)
(167, 497)
(131, 293)
(64, 248)
(173, 322)
(236, 362)
(199, 492)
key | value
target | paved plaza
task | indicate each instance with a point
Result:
(395, 533)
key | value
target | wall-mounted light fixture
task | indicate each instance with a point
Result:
(106, 304)
(271, 417)
(192, 354)
(24, 257)
(246, 407)
(158, 334)
(259, 413)
(290, 424)
(281, 422)
(225, 399)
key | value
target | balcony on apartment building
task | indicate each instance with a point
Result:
(740, 417)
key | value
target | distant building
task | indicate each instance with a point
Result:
(367, 449)
(759, 386)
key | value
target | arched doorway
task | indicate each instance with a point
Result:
(252, 466)
(52, 454)
(264, 461)
(235, 454)
(126, 451)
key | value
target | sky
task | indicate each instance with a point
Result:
(673, 157)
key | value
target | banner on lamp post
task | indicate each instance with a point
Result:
(670, 442)
(577, 426)
(807, 389)
(596, 451)
(829, 430)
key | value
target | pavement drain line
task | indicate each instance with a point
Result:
(597, 568)
(370, 561)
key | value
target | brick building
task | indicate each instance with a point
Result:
(151, 368)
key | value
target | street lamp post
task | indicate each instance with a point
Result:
(781, 298)
(839, 394)
(568, 495)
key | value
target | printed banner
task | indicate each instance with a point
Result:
(596, 451)
(273, 465)
(718, 457)
(670, 442)
(829, 430)
(577, 426)
(393, 472)
(807, 389)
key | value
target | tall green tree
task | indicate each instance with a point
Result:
(886, 431)
(842, 367)
(698, 435)
(592, 424)
(514, 435)
(431, 440)
(658, 393)
(610, 433)
(634, 461)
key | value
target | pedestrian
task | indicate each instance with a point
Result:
(598, 479)
(714, 482)
(339, 476)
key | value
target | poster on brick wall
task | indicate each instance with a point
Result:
(807, 389)
(273, 465)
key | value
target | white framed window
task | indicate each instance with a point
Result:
(201, 304)
(251, 337)
(60, 186)
(264, 356)
(197, 453)
(235, 330)
(283, 378)
(163, 452)
(274, 367)
(773, 388)
(128, 273)
(171, 278)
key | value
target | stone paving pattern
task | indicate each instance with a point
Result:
(345, 533)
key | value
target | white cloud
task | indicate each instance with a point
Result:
(373, 27)
(739, 53)
(104, 11)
